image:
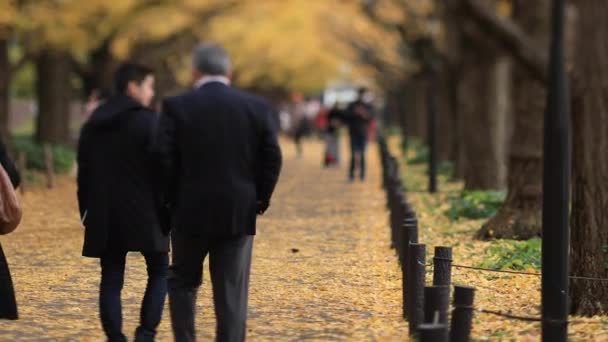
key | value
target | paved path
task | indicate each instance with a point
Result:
(322, 267)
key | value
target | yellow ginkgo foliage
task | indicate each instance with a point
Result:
(278, 43)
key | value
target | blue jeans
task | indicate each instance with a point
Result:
(112, 280)
(358, 145)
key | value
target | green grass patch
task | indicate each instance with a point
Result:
(64, 157)
(446, 169)
(513, 255)
(474, 204)
(419, 151)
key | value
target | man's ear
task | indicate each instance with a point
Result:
(133, 89)
(196, 75)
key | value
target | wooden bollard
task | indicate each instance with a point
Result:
(408, 218)
(462, 316)
(400, 217)
(442, 266)
(397, 218)
(436, 304)
(409, 234)
(410, 226)
(433, 333)
(415, 290)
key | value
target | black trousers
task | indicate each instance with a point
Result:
(112, 281)
(358, 145)
(229, 265)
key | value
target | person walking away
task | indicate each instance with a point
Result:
(301, 126)
(221, 149)
(8, 304)
(332, 151)
(121, 199)
(358, 116)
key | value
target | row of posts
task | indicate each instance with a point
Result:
(426, 308)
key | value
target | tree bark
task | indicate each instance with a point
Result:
(5, 71)
(484, 165)
(53, 89)
(589, 235)
(416, 110)
(521, 46)
(520, 215)
(447, 117)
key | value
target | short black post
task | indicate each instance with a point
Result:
(416, 279)
(462, 316)
(433, 333)
(442, 266)
(391, 214)
(436, 303)
(409, 235)
(398, 216)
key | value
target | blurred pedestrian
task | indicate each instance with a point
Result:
(121, 199)
(301, 124)
(332, 149)
(358, 116)
(220, 146)
(8, 304)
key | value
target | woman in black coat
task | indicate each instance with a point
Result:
(8, 305)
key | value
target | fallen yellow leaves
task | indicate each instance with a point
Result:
(342, 284)
(516, 294)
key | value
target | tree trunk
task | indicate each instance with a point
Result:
(100, 72)
(482, 122)
(454, 63)
(4, 90)
(420, 114)
(53, 90)
(520, 215)
(589, 236)
(416, 110)
(457, 153)
(447, 117)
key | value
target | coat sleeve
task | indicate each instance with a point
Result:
(270, 160)
(166, 152)
(82, 158)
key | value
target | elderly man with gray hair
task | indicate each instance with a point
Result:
(220, 150)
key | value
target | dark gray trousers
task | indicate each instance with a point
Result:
(229, 265)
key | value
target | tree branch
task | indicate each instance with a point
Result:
(369, 9)
(511, 36)
(81, 69)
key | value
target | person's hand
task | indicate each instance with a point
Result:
(262, 207)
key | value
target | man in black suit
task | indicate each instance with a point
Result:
(221, 151)
(121, 200)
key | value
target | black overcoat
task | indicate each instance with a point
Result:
(120, 191)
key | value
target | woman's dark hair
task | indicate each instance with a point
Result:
(130, 72)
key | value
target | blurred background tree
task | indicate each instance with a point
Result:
(489, 59)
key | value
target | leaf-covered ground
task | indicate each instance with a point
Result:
(322, 267)
(516, 294)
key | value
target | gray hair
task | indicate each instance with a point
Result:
(211, 59)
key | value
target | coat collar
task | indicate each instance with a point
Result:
(211, 79)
